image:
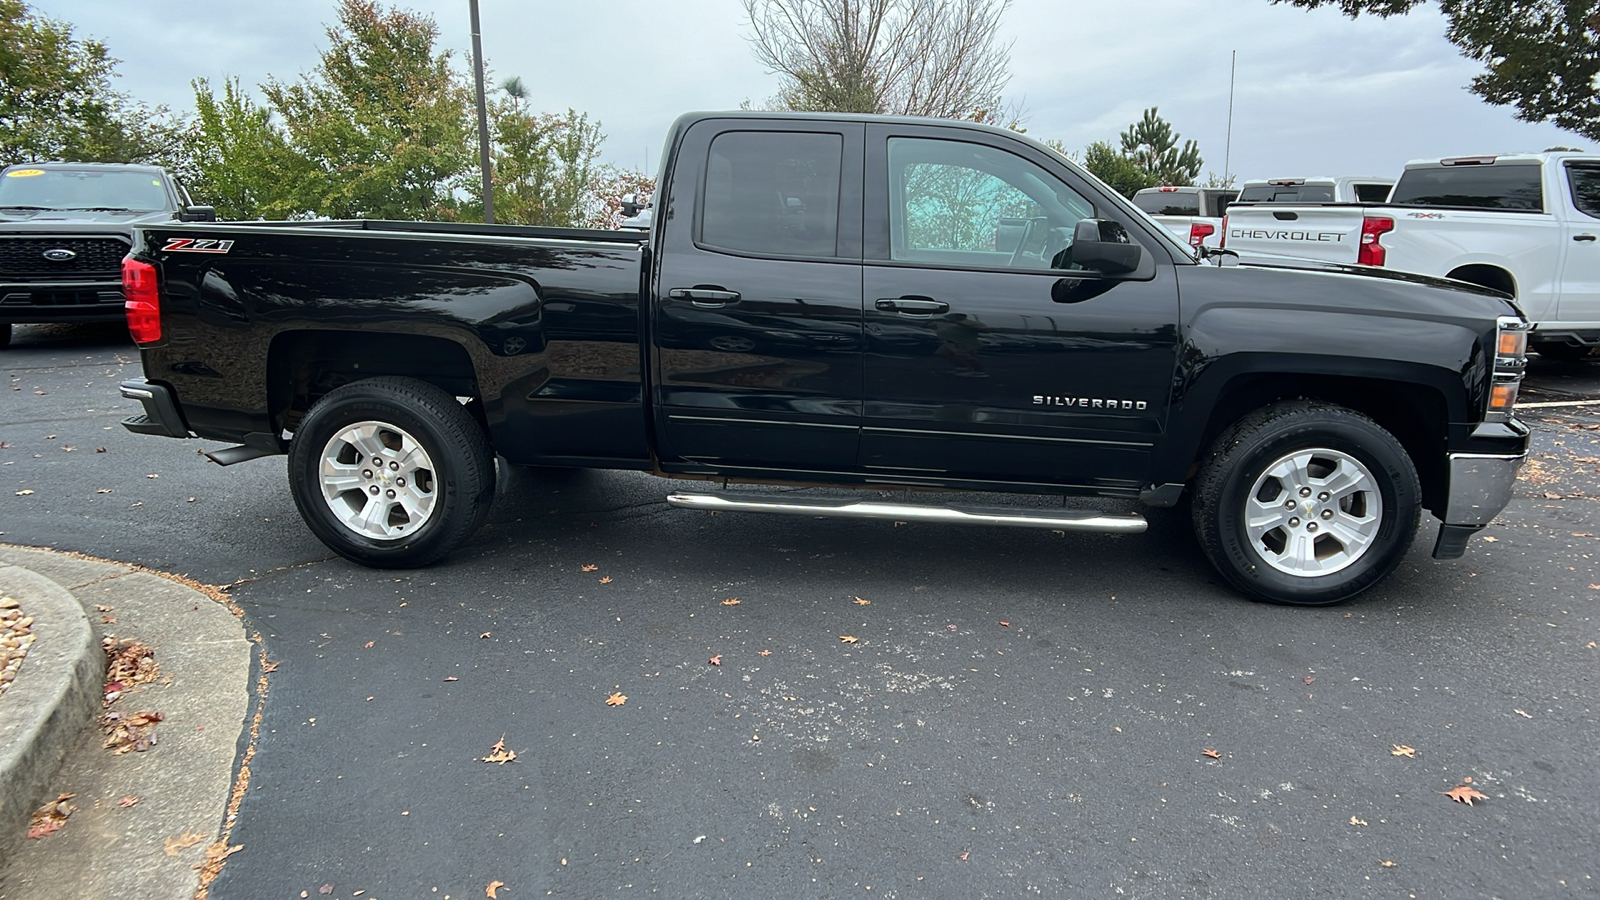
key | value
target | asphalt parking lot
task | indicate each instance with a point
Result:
(1018, 713)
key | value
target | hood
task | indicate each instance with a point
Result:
(49, 218)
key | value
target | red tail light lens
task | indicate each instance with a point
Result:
(1222, 239)
(141, 301)
(1199, 231)
(1372, 252)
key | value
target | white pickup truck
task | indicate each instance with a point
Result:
(1316, 189)
(1526, 224)
(1194, 214)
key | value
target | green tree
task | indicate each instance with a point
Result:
(57, 102)
(1542, 56)
(935, 58)
(546, 169)
(1153, 146)
(237, 159)
(1117, 170)
(381, 123)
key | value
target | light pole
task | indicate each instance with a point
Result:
(484, 161)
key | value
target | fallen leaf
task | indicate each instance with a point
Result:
(1464, 794)
(128, 801)
(134, 732)
(1309, 679)
(716, 660)
(108, 620)
(25, 492)
(102, 490)
(617, 699)
(1211, 753)
(1550, 495)
(849, 638)
(49, 818)
(732, 601)
(271, 666)
(325, 889)
(1387, 863)
(99, 449)
(499, 754)
(368, 645)
(187, 839)
(1522, 714)
(1491, 538)
(451, 678)
(152, 475)
(493, 886)
(1403, 750)
(484, 635)
(769, 652)
(1005, 623)
(606, 580)
(68, 447)
(964, 856)
(589, 567)
(1594, 587)
(863, 602)
(1356, 821)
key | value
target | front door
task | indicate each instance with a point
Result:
(990, 356)
(757, 298)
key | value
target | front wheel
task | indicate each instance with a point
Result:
(391, 472)
(1306, 503)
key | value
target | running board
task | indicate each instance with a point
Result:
(1060, 520)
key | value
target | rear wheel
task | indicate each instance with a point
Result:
(391, 472)
(1306, 503)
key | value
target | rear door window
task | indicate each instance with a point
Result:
(773, 193)
(1372, 193)
(1503, 186)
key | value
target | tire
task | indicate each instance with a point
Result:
(1305, 546)
(5, 335)
(435, 492)
(1562, 352)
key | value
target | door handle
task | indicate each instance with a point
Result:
(705, 297)
(1286, 216)
(1583, 237)
(912, 306)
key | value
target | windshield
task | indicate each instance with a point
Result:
(82, 189)
(1287, 193)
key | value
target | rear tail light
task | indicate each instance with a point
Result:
(141, 301)
(1222, 239)
(1372, 252)
(1199, 231)
(1510, 361)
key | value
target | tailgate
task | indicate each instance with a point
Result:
(1326, 233)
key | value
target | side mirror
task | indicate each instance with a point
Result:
(198, 214)
(1105, 246)
(632, 205)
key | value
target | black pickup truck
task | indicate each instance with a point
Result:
(64, 228)
(864, 302)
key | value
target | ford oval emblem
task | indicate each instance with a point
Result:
(59, 254)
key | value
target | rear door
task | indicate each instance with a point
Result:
(756, 297)
(990, 356)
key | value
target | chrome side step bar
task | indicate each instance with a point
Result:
(1060, 520)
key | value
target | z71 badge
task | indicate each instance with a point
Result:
(198, 245)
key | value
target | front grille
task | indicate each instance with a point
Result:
(96, 256)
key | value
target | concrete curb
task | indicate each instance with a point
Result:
(55, 695)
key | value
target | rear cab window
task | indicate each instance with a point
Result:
(1515, 184)
(1168, 203)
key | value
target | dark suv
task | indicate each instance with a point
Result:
(64, 228)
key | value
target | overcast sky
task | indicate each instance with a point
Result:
(1315, 92)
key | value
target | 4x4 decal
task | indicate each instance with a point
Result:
(198, 245)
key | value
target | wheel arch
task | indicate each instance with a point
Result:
(1486, 275)
(304, 365)
(1413, 402)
